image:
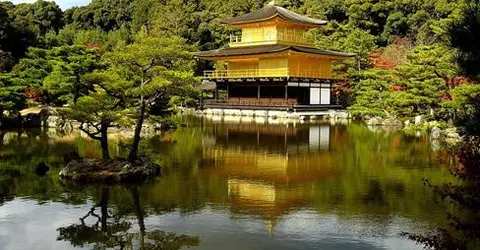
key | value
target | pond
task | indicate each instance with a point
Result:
(229, 185)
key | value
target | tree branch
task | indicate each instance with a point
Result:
(147, 68)
(90, 134)
(109, 92)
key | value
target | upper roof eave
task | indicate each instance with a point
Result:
(270, 12)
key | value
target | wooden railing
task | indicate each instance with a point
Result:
(295, 39)
(255, 73)
(247, 73)
(283, 37)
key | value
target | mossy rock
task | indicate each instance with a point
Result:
(109, 171)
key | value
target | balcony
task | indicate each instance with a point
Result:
(292, 38)
(259, 73)
(287, 37)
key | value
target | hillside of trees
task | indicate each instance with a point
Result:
(413, 57)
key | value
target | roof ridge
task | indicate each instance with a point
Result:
(270, 12)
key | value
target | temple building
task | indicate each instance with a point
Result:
(272, 65)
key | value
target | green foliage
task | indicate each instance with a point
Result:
(25, 25)
(12, 97)
(466, 107)
(372, 93)
(70, 64)
(39, 17)
(464, 36)
(151, 64)
(423, 78)
(98, 106)
(347, 38)
(58, 71)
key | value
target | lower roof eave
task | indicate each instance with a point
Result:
(266, 49)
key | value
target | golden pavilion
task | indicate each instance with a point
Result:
(272, 65)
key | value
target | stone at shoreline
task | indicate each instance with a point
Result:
(53, 121)
(339, 115)
(109, 171)
(436, 133)
(388, 122)
(451, 133)
(392, 122)
(374, 121)
(418, 120)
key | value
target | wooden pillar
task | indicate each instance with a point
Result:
(228, 91)
(258, 93)
(286, 92)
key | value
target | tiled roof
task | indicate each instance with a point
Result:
(265, 49)
(271, 12)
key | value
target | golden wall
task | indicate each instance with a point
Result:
(309, 66)
(272, 32)
(259, 34)
(297, 66)
(273, 63)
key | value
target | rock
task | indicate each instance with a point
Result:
(453, 141)
(374, 121)
(54, 121)
(451, 133)
(392, 122)
(109, 171)
(332, 114)
(343, 115)
(41, 169)
(436, 133)
(418, 120)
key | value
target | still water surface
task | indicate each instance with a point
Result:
(229, 185)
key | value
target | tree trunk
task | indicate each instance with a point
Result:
(104, 139)
(104, 208)
(2, 137)
(1, 117)
(138, 130)
(76, 86)
(138, 210)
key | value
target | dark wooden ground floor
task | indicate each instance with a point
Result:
(283, 94)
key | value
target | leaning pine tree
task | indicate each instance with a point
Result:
(146, 69)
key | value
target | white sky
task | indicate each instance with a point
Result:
(64, 4)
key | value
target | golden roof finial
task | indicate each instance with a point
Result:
(272, 3)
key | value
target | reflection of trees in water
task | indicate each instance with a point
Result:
(463, 229)
(21, 151)
(111, 229)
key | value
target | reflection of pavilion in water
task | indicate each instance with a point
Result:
(271, 168)
(287, 139)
